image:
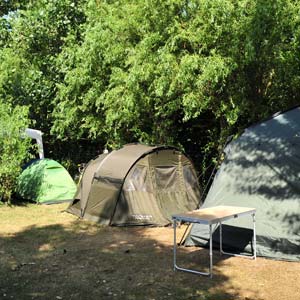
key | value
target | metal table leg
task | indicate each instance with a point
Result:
(221, 238)
(210, 251)
(240, 255)
(254, 236)
(176, 267)
(175, 245)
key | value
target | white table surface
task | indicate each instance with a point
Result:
(214, 214)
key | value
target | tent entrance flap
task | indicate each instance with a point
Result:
(103, 198)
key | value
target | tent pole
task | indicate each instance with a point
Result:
(228, 140)
(184, 234)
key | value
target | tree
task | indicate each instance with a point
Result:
(186, 73)
(35, 35)
(14, 147)
(147, 69)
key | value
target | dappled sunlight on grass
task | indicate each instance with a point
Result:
(46, 247)
(75, 259)
(18, 218)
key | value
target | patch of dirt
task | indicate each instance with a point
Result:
(48, 254)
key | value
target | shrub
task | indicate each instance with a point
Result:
(14, 147)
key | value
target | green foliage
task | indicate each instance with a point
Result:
(187, 73)
(8, 6)
(140, 77)
(14, 148)
(35, 34)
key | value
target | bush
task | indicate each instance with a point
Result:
(14, 147)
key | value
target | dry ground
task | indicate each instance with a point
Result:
(48, 254)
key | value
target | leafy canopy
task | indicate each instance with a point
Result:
(14, 147)
(187, 73)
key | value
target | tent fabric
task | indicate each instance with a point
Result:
(137, 185)
(261, 170)
(46, 181)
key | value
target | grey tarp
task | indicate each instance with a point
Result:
(261, 170)
(137, 185)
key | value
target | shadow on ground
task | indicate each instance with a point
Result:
(87, 261)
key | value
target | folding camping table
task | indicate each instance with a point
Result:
(210, 216)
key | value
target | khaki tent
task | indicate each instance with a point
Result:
(137, 185)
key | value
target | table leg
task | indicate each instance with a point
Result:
(190, 270)
(254, 237)
(221, 237)
(240, 255)
(210, 251)
(175, 245)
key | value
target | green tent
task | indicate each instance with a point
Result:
(261, 170)
(46, 181)
(137, 185)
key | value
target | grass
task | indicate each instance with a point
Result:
(46, 253)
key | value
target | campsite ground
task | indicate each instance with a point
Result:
(49, 254)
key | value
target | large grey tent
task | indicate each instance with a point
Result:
(137, 185)
(262, 170)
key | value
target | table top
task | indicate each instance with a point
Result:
(212, 215)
